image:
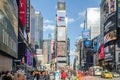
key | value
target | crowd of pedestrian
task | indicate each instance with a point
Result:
(9, 75)
(34, 75)
(19, 75)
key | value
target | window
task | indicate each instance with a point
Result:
(119, 57)
(3, 35)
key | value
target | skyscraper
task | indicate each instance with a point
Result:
(61, 35)
(38, 30)
(92, 21)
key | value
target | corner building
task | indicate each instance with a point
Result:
(61, 36)
(111, 29)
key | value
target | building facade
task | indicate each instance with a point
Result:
(61, 36)
(9, 33)
(38, 30)
(92, 21)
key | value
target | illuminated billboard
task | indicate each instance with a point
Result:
(118, 6)
(101, 55)
(110, 24)
(86, 34)
(110, 36)
(61, 49)
(109, 52)
(61, 18)
(108, 7)
(110, 27)
(22, 12)
(61, 33)
(96, 43)
(88, 44)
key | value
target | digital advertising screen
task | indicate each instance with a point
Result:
(61, 49)
(88, 44)
(61, 33)
(96, 43)
(118, 6)
(109, 52)
(101, 54)
(109, 7)
(61, 18)
(22, 12)
(86, 34)
(110, 36)
(110, 24)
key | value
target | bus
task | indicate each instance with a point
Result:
(95, 70)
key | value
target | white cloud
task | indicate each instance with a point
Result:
(82, 25)
(48, 27)
(82, 14)
(70, 20)
(48, 21)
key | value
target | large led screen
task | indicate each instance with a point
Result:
(101, 55)
(22, 12)
(88, 44)
(86, 34)
(109, 7)
(61, 18)
(61, 33)
(110, 24)
(110, 36)
(61, 49)
(96, 43)
(109, 52)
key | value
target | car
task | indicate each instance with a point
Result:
(115, 74)
(106, 74)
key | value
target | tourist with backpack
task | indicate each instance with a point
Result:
(63, 75)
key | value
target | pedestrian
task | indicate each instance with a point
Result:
(63, 75)
(57, 75)
(31, 77)
(7, 76)
(47, 77)
(19, 76)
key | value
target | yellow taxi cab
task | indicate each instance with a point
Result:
(106, 74)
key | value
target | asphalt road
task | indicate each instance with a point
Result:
(98, 78)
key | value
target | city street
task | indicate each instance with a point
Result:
(98, 78)
(59, 39)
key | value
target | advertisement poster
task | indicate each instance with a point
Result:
(96, 43)
(109, 52)
(101, 55)
(110, 36)
(109, 7)
(61, 18)
(88, 44)
(86, 34)
(22, 12)
(61, 33)
(61, 49)
(110, 24)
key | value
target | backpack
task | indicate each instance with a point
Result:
(63, 75)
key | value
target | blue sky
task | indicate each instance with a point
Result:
(75, 12)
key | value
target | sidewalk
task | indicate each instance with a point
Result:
(91, 78)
